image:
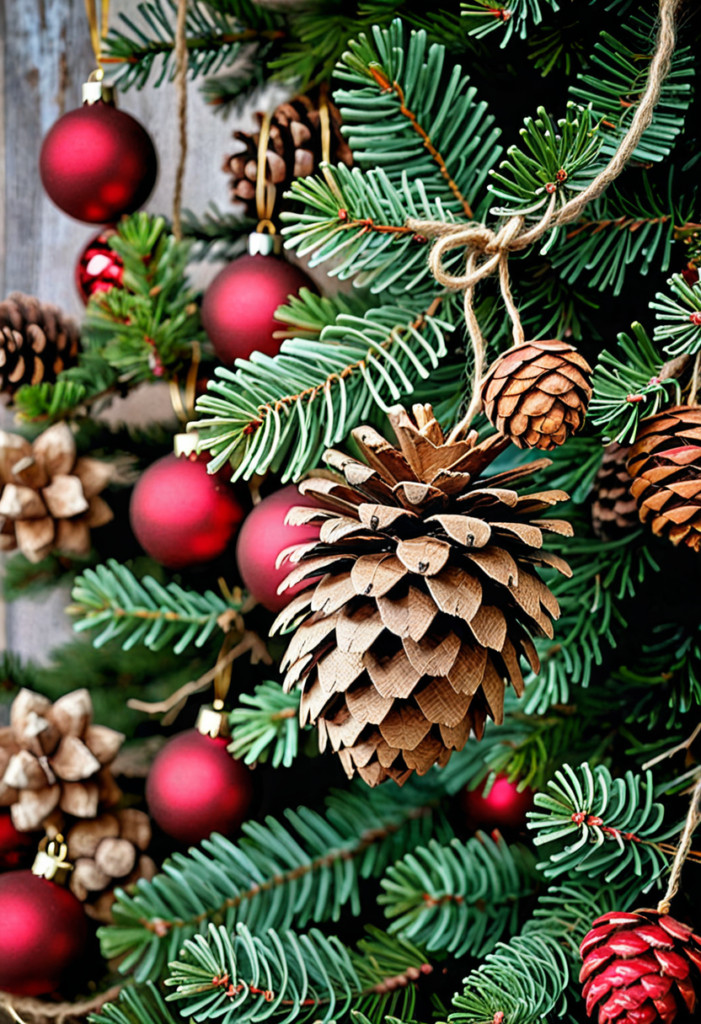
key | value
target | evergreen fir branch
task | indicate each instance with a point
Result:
(281, 412)
(22, 578)
(617, 78)
(284, 975)
(679, 317)
(522, 981)
(558, 47)
(550, 307)
(459, 898)
(265, 726)
(510, 17)
(406, 112)
(146, 328)
(591, 622)
(358, 219)
(607, 827)
(318, 35)
(136, 1004)
(216, 235)
(112, 600)
(553, 158)
(301, 869)
(623, 229)
(306, 314)
(631, 386)
(663, 683)
(215, 39)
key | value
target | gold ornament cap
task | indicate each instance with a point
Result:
(213, 720)
(51, 860)
(96, 90)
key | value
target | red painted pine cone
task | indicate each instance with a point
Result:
(641, 968)
(537, 393)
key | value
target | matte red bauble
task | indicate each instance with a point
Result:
(181, 515)
(98, 163)
(238, 306)
(99, 267)
(262, 537)
(15, 847)
(43, 930)
(195, 787)
(504, 807)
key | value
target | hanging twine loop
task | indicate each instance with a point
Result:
(265, 190)
(181, 63)
(487, 250)
(693, 820)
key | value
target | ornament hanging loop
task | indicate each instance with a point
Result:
(98, 23)
(265, 191)
(693, 820)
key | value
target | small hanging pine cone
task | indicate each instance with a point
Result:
(665, 464)
(428, 595)
(53, 759)
(537, 393)
(294, 150)
(641, 968)
(614, 511)
(107, 853)
(37, 341)
(48, 496)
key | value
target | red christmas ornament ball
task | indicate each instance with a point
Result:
(195, 787)
(15, 847)
(97, 163)
(504, 807)
(43, 930)
(238, 306)
(182, 515)
(99, 267)
(262, 537)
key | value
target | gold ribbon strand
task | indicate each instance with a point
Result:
(98, 24)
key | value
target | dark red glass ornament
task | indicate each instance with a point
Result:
(16, 848)
(238, 306)
(99, 267)
(195, 787)
(43, 930)
(181, 515)
(504, 807)
(97, 163)
(262, 537)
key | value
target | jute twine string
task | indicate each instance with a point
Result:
(487, 250)
(181, 63)
(25, 1009)
(693, 819)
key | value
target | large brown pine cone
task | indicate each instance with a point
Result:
(614, 511)
(37, 341)
(294, 151)
(107, 852)
(427, 599)
(537, 393)
(49, 498)
(641, 968)
(665, 464)
(53, 760)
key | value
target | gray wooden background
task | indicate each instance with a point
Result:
(45, 55)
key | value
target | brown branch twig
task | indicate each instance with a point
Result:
(395, 87)
(312, 392)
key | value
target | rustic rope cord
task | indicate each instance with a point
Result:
(693, 819)
(181, 62)
(35, 1011)
(493, 247)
